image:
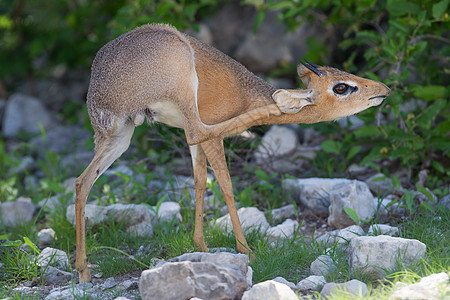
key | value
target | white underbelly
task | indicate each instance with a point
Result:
(168, 113)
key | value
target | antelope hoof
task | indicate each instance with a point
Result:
(85, 274)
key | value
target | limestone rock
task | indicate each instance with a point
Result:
(381, 184)
(25, 113)
(170, 210)
(433, 287)
(184, 280)
(284, 281)
(342, 236)
(219, 258)
(269, 290)
(284, 230)
(381, 254)
(313, 283)
(282, 213)
(54, 276)
(355, 195)
(17, 212)
(313, 193)
(350, 288)
(322, 266)
(278, 141)
(383, 229)
(251, 218)
(46, 237)
(53, 257)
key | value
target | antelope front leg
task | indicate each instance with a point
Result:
(199, 164)
(81, 259)
(215, 153)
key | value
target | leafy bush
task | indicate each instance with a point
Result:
(406, 43)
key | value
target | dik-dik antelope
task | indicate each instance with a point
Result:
(154, 72)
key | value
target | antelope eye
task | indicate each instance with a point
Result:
(340, 88)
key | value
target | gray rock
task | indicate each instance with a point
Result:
(108, 283)
(322, 266)
(249, 277)
(25, 113)
(342, 236)
(17, 212)
(169, 211)
(311, 283)
(280, 279)
(219, 258)
(27, 163)
(355, 195)
(269, 290)
(65, 294)
(93, 214)
(177, 188)
(74, 163)
(380, 183)
(46, 237)
(53, 257)
(445, 201)
(433, 287)
(184, 280)
(251, 219)
(54, 276)
(382, 254)
(138, 219)
(62, 139)
(285, 230)
(2, 109)
(282, 213)
(57, 202)
(351, 122)
(350, 288)
(383, 229)
(278, 141)
(313, 193)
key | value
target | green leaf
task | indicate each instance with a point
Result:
(366, 131)
(352, 214)
(400, 8)
(426, 193)
(15, 243)
(430, 92)
(439, 9)
(31, 244)
(353, 151)
(330, 146)
(258, 20)
(437, 166)
(426, 206)
(397, 25)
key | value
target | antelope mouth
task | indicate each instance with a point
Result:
(377, 99)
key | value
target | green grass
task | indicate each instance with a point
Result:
(117, 252)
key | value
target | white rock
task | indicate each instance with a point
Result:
(314, 193)
(284, 230)
(93, 214)
(342, 236)
(312, 282)
(433, 287)
(249, 277)
(355, 195)
(269, 290)
(138, 219)
(46, 236)
(65, 294)
(383, 229)
(278, 141)
(380, 254)
(381, 184)
(251, 218)
(169, 210)
(219, 258)
(17, 212)
(184, 280)
(53, 257)
(322, 266)
(54, 276)
(25, 113)
(350, 288)
(284, 281)
(282, 213)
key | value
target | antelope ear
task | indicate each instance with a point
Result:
(304, 74)
(292, 101)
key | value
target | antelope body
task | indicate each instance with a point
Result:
(155, 72)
